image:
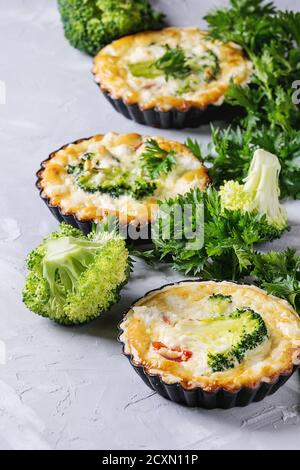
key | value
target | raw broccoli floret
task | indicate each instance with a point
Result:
(233, 336)
(91, 24)
(72, 278)
(260, 191)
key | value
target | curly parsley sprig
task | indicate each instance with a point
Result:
(156, 160)
(271, 39)
(174, 63)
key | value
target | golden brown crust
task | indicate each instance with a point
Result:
(111, 72)
(53, 175)
(282, 322)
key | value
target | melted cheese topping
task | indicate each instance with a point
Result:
(62, 191)
(160, 333)
(112, 69)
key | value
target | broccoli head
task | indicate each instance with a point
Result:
(91, 177)
(91, 24)
(72, 278)
(260, 191)
(234, 335)
(227, 336)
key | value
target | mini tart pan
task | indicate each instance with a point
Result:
(84, 225)
(110, 75)
(174, 119)
(198, 397)
(143, 228)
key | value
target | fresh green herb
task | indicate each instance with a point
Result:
(247, 22)
(229, 236)
(73, 278)
(89, 25)
(217, 238)
(156, 160)
(279, 274)
(272, 121)
(173, 63)
(194, 147)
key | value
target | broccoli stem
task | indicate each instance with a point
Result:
(65, 259)
(72, 278)
(262, 184)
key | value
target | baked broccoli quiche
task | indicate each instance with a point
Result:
(117, 174)
(176, 77)
(217, 339)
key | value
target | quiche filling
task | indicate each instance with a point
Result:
(213, 334)
(190, 70)
(120, 174)
(170, 68)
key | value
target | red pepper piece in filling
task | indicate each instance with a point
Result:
(158, 345)
(166, 319)
(172, 354)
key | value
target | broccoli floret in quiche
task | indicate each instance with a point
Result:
(232, 336)
(116, 181)
(175, 63)
(226, 337)
(107, 180)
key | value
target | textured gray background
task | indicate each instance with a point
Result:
(70, 388)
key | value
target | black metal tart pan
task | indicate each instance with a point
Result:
(197, 397)
(71, 219)
(174, 119)
(84, 225)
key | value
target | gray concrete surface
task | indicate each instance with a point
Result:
(70, 388)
